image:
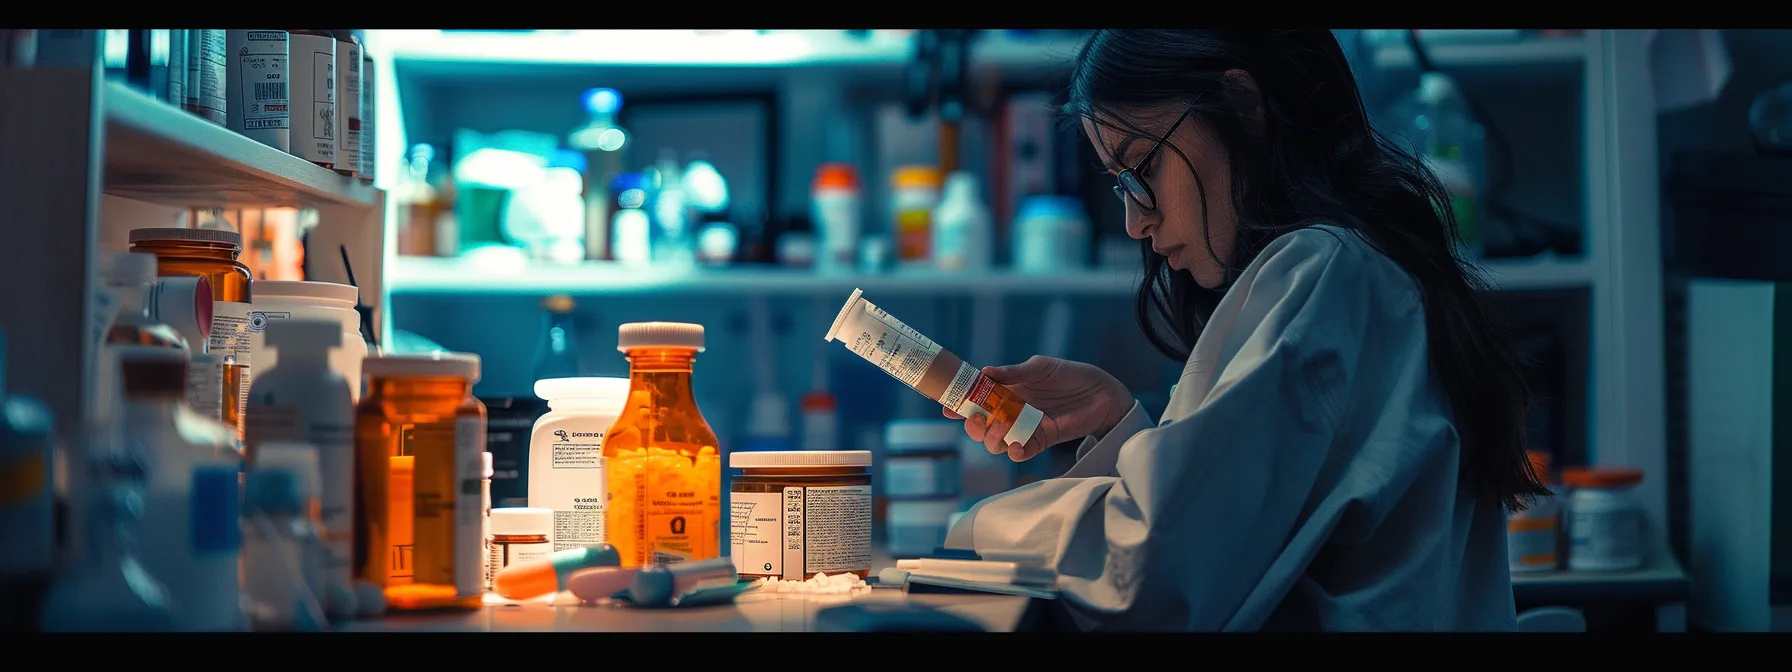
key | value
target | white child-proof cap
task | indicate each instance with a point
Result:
(459, 364)
(759, 459)
(303, 334)
(523, 520)
(659, 334)
(583, 388)
(185, 303)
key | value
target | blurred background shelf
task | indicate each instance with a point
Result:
(161, 154)
(1491, 50)
(413, 275)
(645, 60)
(1538, 273)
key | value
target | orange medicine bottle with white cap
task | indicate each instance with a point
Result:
(660, 460)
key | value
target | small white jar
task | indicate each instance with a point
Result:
(1605, 520)
(566, 455)
(518, 534)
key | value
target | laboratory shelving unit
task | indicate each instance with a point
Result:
(1619, 272)
(72, 139)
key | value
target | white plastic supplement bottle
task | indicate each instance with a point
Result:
(566, 455)
(1605, 522)
(303, 399)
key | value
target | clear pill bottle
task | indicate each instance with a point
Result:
(795, 514)
(1605, 521)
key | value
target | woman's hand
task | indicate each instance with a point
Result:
(1078, 400)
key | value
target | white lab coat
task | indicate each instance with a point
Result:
(1304, 475)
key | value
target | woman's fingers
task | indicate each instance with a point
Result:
(992, 438)
(975, 427)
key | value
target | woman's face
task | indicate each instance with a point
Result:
(1175, 226)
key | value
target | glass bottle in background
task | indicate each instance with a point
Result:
(110, 591)
(558, 354)
(604, 145)
(673, 242)
(416, 203)
(661, 444)
(448, 234)
(213, 253)
(1451, 142)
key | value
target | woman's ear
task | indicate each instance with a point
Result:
(1242, 93)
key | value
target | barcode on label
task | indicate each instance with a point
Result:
(270, 90)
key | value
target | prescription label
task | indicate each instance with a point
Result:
(899, 350)
(800, 531)
(232, 326)
(672, 536)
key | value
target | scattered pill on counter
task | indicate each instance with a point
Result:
(820, 583)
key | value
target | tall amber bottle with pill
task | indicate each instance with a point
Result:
(664, 474)
(212, 254)
(417, 515)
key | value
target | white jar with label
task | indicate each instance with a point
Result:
(566, 455)
(1605, 521)
(287, 299)
(795, 514)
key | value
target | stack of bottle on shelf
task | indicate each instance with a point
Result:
(306, 92)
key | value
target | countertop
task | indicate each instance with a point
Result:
(754, 611)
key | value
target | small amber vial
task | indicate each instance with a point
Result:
(418, 515)
(795, 514)
(212, 254)
(664, 474)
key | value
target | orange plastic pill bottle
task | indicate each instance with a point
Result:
(662, 468)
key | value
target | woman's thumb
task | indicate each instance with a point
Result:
(1035, 369)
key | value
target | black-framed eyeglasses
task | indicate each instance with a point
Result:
(1134, 187)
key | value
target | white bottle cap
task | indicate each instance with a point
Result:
(303, 334)
(130, 268)
(659, 334)
(584, 388)
(756, 459)
(308, 289)
(459, 364)
(523, 520)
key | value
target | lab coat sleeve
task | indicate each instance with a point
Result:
(1204, 523)
(1097, 456)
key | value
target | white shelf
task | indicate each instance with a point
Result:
(159, 153)
(428, 275)
(1566, 53)
(418, 275)
(1538, 273)
(438, 51)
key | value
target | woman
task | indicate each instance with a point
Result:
(1347, 435)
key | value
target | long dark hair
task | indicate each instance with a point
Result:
(1315, 158)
